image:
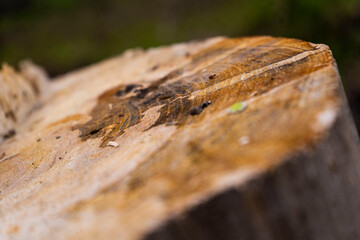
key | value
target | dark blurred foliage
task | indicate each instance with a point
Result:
(63, 35)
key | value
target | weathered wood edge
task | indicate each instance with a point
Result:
(20, 93)
(313, 195)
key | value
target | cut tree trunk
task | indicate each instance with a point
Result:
(247, 138)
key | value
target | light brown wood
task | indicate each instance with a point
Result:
(245, 138)
(19, 93)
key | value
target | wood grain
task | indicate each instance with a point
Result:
(144, 146)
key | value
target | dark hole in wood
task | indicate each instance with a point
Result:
(93, 132)
(130, 87)
(154, 67)
(10, 114)
(9, 134)
(212, 76)
(198, 109)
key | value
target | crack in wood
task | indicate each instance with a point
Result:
(228, 74)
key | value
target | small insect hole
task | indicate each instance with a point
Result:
(9, 134)
(130, 87)
(93, 132)
(212, 76)
(198, 109)
(154, 67)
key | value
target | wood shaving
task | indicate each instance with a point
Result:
(112, 144)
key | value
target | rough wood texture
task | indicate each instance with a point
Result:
(244, 138)
(19, 93)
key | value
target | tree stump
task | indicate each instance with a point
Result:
(247, 138)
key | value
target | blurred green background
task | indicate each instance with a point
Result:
(63, 35)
